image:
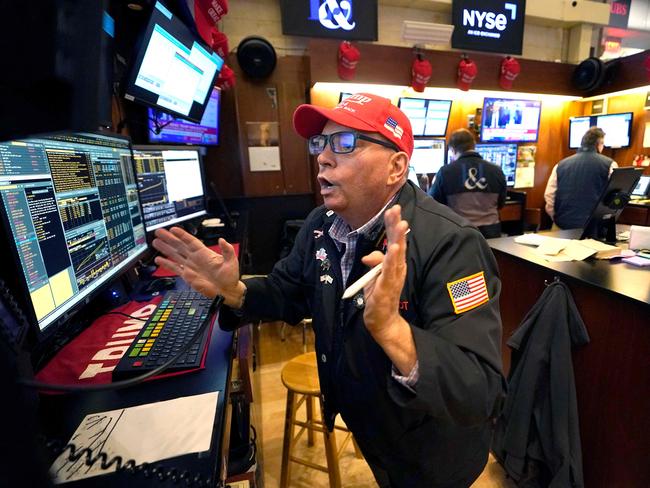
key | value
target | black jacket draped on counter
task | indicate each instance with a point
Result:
(537, 437)
(439, 434)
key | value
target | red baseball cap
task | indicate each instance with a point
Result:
(467, 71)
(510, 69)
(420, 74)
(226, 78)
(206, 14)
(348, 58)
(219, 43)
(361, 111)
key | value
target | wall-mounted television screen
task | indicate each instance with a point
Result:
(428, 117)
(506, 120)
(428, 155)
(504, 155)
(165, 128)
(617, 128)
(341, 20)
(173, 70)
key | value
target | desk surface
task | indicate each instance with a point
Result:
(60, 415)
(615, 277)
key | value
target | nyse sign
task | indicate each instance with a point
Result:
(489, 25)
(343, 19)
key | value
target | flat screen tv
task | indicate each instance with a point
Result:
(428, 117)
(173, 70)
(504, 155)
(428, 155)
(507, 120)
(167, 129)
(617, 128)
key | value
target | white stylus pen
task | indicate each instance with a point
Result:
(358, 285)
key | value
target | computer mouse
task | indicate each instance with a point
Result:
(160, 284)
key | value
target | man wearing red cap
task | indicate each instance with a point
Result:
(412, 361)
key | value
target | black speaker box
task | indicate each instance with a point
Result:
(256, 57)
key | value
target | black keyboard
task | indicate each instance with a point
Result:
(166, 331)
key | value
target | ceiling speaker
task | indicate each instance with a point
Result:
(256, 57)
(589, 74)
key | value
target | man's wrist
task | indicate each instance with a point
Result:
(235, 298)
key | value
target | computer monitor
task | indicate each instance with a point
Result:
(642, 189)
(428, 155)
(506, 120)
(174, 70)
(428, 117)
(601, 223)
(72, 217)
(170, 184)
(617, 128)
(343, 96)
(167, 129)
(504, 155)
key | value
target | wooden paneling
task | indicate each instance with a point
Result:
(611, 373)
(392, 66)
(629, 73)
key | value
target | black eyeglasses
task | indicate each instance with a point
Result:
(343, 142)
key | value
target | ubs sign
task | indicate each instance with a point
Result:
(489, 25)
(342, 19)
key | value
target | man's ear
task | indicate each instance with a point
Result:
(399, 166)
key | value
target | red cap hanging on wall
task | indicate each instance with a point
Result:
(219, 43)
(467, 71)
(348, 58)
(420, 74)
(226, 78)
(510, 69)
(206, 14)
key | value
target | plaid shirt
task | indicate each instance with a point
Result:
(345, 240)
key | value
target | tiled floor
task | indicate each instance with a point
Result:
(269, 407)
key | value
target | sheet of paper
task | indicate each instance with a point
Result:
(552, 246)
(597, 245)
(530, 239)
(145, 433)
(264, 158)
(577, 251)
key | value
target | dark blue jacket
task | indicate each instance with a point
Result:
(439, 434)
(580, 181)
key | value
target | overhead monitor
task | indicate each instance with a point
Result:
(642, 189)
(72, 215)
(489, 25)
(170, 184)
(428, 117)
(504, 155)
(428, 155)
(601, 223)
(174, 70)
(617, 128)
(506, 120)
(344, 20)
(165, 128)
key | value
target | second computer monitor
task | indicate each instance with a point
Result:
(170, 184)
(504, 155)
(428, 155)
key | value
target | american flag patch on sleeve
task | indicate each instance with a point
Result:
(468, 293)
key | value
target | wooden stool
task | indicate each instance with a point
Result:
(300, 376)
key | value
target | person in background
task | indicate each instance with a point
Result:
(471, 186)
(576, 182)
(413, 361)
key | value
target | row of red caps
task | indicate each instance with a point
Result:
(421, 69)
(206, 14)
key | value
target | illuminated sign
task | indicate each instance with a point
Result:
(341, 19)
(490, 25)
